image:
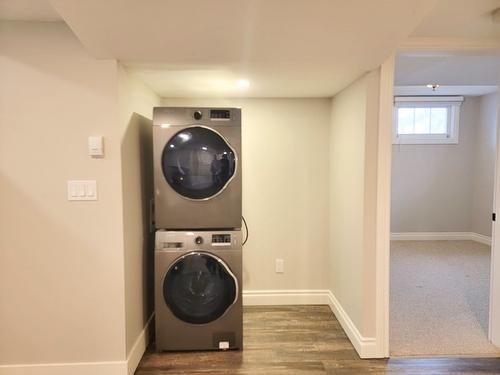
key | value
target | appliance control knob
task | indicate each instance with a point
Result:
(197, 115)
(198, 240)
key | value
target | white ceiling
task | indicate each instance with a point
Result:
(293, 48)
(28, 10)
(446, 69)
(460, 19)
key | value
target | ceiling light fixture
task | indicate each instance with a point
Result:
(433, 86)
(242, 83)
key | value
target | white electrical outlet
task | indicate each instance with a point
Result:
(280, 266)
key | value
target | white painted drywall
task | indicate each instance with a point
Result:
(61, 263)
(448, 188)
(353, 147)
(484, 165)
(285, 189)
(136, 102)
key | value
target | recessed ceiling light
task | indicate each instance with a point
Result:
(242, 83)
(432, 86)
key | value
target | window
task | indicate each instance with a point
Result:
(426, 120)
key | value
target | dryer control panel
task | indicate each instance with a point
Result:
(220, 114)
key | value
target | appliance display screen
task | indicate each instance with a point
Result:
(220, 114)
(221, 238)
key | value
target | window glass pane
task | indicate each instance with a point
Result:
(405, 120)
(439, 121)
(422, 120)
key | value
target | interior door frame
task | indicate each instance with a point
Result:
(384, 171)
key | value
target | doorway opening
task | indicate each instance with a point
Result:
(442, 190)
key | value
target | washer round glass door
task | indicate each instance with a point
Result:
(198, 163)
(199, 288)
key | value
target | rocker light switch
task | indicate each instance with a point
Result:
(82, 190)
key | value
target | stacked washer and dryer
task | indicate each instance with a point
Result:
(198, 242)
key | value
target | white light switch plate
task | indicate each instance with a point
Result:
(96, 146)
(280, 266)
(82, 190)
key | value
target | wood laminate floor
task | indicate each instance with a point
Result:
(299, 340)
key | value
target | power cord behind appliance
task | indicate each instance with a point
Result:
(246, 231)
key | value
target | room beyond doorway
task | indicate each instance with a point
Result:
(443, 158)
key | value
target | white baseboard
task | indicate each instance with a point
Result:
(76, 368)
(441, 236)
(481, 238)
(285, 297)
(140, 345)
(126, 367)
(365, 346)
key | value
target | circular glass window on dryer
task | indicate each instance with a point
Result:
(199, 288)
(198, 163)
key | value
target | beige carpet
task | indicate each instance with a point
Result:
(439, 298)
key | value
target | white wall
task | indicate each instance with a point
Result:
(448, 187)
(285, 189)
(136, 102)
(353, 155)
(61, 263)
(75, 277)
(484, 165)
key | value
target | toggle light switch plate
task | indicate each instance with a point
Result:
(82, 190)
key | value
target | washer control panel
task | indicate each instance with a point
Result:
(198, 241)
(221, 239)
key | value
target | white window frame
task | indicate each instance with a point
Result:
(452, 103)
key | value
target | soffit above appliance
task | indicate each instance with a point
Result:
(285, 49)
(28, 10)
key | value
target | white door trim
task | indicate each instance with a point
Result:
(383, 238)
(450, 44)
(494, 318)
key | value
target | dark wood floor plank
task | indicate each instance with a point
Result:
(300, 340)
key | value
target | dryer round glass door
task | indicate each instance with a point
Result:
(199, 288)
(198, 163)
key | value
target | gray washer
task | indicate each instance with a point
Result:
(197, 168)
(198, 297)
